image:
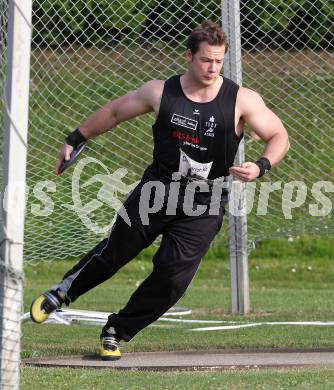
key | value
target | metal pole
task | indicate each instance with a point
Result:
(237, 224)
(14, 179)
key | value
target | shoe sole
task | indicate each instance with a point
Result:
(110, 358)
(36, 313)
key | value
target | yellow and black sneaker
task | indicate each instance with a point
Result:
(44, 305)
(109, 349)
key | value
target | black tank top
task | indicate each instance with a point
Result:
(196, 139)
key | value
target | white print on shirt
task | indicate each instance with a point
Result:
(184, 122)
(210, 132)
(211, 123)
(201, 148)
(210, 126)
(190, 167)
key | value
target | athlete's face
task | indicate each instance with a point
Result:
(206, 64)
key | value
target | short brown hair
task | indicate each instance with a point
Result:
(209, 32)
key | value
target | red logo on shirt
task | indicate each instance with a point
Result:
(185, 137)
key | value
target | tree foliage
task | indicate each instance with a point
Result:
(292, 23)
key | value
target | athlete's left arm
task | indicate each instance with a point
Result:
(251, 109)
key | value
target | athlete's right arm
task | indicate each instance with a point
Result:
(141, 101)
(134, 103)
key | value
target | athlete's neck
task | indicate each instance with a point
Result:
(198, 91)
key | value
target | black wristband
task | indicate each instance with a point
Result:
(75, 138)
(264, 164)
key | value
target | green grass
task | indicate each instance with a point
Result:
(100, 379)
(277, 294)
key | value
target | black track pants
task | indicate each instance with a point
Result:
(185, 239)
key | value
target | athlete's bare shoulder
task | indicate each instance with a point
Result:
(248, 100)
(151, 93)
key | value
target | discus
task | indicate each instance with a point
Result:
(74, 156)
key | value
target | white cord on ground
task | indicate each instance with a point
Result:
(88, 317)
(68, 316)
(229, 327)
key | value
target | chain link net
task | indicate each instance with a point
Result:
(11, 287)
(86, 53)
(290, 63)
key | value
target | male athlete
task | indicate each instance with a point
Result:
(200, 117)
